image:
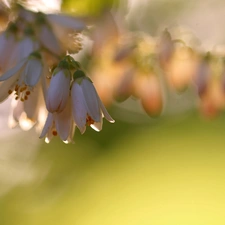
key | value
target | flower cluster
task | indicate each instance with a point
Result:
(152, 69)
(47, 86)
(72, 101)
(50, 91)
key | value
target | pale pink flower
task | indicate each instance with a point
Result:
(87, 106)
(58, 91)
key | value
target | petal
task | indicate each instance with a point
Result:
(6, 86)
(47, 126)
(31, 104)
(79, 108)
(16, 111)
(12, 71)
(67, 21)
(49, 136)
(97, 126)
(63, 121)
(105, 112)
(7, 46)
(58, 91)
(71, 134)
(44, 76)
(41, 117)
(49, 40)
(91, 99)
(33, 71)
(26, 46)
(23, 49)
(25, 123)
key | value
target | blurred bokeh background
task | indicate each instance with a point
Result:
(138, 171)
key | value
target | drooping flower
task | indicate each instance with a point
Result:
(148, 89)
(59, 88)
(24, 47)
(28, 113)
(7, 45)
(59, 123)
(59, 33)
(22, 78)
(86, 105)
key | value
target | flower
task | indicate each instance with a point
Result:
(14, 49)
(59, 123)
(28, 113)
(87, 107)
(7, 45)
(59, 33)
(22, 78)
(58, 91)
(148, 89)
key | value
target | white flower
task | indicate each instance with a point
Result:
(28, 113)
(7, 46)
(21, 78)
(59, 123)
(58, 91)
(23, 49)
(16, 43)
(55, 32)
(86, 105)
(49, 40)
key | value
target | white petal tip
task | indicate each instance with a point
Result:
(69, 141)
(47, 140)
(94, 128)
(112, 121)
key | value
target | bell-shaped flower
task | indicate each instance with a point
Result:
(22, 78)
(21, 47)
(67, 30)
(28, 113)
(58, 91)
(59, 123)
(48, 40)
(86, 105)
(148, 89)
(7, 46)
(58, 33)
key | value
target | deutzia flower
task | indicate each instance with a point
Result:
(86, 104)
(59, 88)
(59, 124)
(53, 30)
(28, 113)
(22, 78)
(23, 48)
(7, 45)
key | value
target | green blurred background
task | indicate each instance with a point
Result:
(167, 172)
(138, 171)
